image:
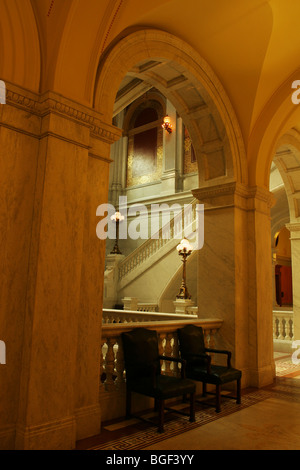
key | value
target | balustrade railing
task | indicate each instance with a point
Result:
(283, 326)
(147, 307)
(154, 244)
(143, 315)
(112, 374)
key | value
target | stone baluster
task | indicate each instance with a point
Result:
(206, 337)
(168, 351)
(280, 328)
(110, 365)
(285, 329)
(120, 381)
(274, 327)
(291, 323)
(175, 348)
(212, 338)
(102, 366)
(161, 347)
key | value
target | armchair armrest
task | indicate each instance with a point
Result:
(176, 359)
(221, 351)
(204, 356)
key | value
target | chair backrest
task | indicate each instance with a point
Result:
(191, 340)
(140, 348)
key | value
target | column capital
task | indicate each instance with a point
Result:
(235, 194)
(50, 102)
(294, 229)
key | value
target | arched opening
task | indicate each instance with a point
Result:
(285, 173)
(204, 149)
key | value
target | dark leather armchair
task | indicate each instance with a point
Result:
(143, 373)
(199, 366)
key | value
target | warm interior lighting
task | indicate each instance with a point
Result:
(117, 217)
(184, 247)
(167, 124)
(184, 250)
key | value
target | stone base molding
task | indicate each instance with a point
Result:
(59, 435)
(7, 437)
(88, 421)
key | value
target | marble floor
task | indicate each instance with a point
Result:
(272, 424)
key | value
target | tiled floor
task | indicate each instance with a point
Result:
(271, 423)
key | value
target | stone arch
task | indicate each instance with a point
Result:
(279, 116)
(287, 160)
(194, 90)
(20, 61)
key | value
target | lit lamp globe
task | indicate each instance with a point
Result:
(167, 124)
(184, 250)
(117, 217)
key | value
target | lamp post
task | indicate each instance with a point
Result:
(184, 250)
(117, 218)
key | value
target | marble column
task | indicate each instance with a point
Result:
(56, 162)
(19, 147)
(235, 277)
(294, 229)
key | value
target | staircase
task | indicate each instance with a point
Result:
(149, 269)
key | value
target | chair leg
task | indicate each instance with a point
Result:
(161, 415)
(238, 391)
(203, 389)
(128, 403)
(218, 398)
(192, 408)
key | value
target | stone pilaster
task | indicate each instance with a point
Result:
(234, 275)
(60, 176)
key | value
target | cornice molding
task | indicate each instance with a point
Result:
(235, 189)
(50, 102)
(293, 227)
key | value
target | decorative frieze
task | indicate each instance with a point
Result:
(49, 102)
(235, 194)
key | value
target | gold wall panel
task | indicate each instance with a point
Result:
(146, 178)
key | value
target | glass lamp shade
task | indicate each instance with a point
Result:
(167, 124)
(167, 120)
(117, 217)
(184, 246)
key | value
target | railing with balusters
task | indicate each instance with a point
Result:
(154, 244)
(111, 315)
(283, 326)
(112, 374)
(147, 307)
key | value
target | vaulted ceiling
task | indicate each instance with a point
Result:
(252, 45)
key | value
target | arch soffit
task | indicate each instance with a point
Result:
(20, 59)
(278, 117)
(139, 53)
(287, 160)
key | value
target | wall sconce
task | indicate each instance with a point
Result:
(167, 124)
(184, 250)
(117, 218)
